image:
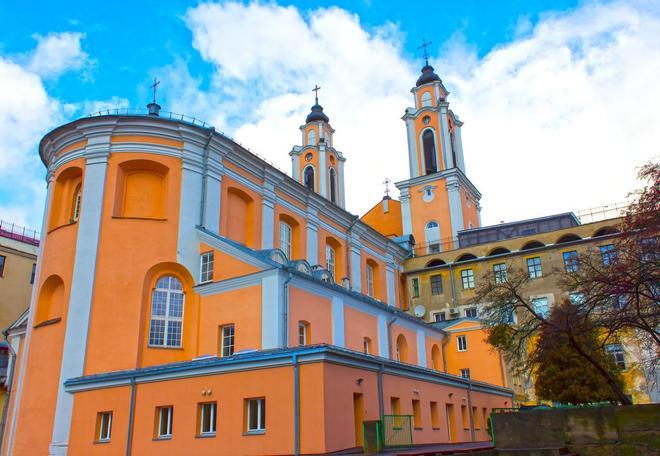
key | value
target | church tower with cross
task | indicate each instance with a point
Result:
(316, 163)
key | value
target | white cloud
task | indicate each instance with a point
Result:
(57, 53)
(555, 120)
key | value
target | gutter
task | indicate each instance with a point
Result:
(381, 402)
(205, 166)
(131, 419)
(285, 311)
(296, 405)
(472, 433)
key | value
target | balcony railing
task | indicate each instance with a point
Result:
(19, 233)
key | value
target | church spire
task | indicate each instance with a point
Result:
(317, 110)
(428, 74)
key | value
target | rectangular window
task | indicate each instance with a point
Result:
(256, 414)
(541, 307)
(462, 343)
(471, 312)
(534, 267)
(417, 414)
(475, 418)
(435, 418)
(434, 248)
(607, 254)
(415, 288)
(226, 340)
(465, 417)
(576, 298)
(330, 259)
(486, 420)
(206, 267)
(436, 284)
(103, 426)
(467, 276)
(395, 405)
(33, 273)
(366, 345)
(465, 373)
(571, 261)
(285, 239)
(164, 416)
(370, 280)
(440, 316)
(206, 417)
(617, 354)
(302, 333)
(500, 272)
(2, 265)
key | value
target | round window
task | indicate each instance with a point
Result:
(426, 120)
(308, 157)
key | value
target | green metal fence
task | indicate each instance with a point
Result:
(397, 431)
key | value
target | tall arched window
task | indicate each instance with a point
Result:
(333, 185)
(167, 299)
(330, 259)
(426, 99)
(77, 201)
(285, 239)
(308, 176)
(401, 349)
(304, 332)
(432, 235)
(436, 358)
(311, 137)
(454, 148)
(428, 143)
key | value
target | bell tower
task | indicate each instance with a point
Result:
(317, 164)
(438, 200)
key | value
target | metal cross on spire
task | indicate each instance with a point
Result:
(316, 92)
(425, 45)
(387, 183)
(154, 86)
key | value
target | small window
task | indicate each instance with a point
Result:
(439, 316)
(311, 137)
(330, 259)
(500, 272)
(415, 287)
(571, 261)
(465, 373)
(370, 280)
(285, 239)
(426, 99)
(227, 340)
(303, 333)
(3, 259)
(436, 284)
(534, 267)
(541, 307)
(164, 416)
(206, 267)
(33, 273)
(471, 312)
(467, 277)
(417, 414)
(206, 417)
(462, 343)
(608, 254)
(435, 418)
(256, 415)
(103, 426)
(617, 354)
(366, 345)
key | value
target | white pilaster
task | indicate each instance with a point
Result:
(323, 171)
(356, 266)
(268, 216)
(444, 137)
(383, 349)
(413, 163)
(312, 233)
(272, 311)
(212, 202)
(455, 206)
(295, 167)
(459, 151)
(421, 348)
(82, 287)
(338, 321)
(189, 217)
(342, 197)
(406, 213)
(389, 281)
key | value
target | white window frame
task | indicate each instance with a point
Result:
(465, 373)
(302, 333)
(370, 280)
(102, 418)
(536, 271)
(462, 347)
(499, 270)
(539, 300)
(206, 267)
(467, 275)
(261, 427)
(227, 342)
(168, 410)
(330, 258)
(212, 409)
(286, 238)
(617, 349)
(426, 99)
(77, 202)
(166, 319)
(311, 137)
(366, 345)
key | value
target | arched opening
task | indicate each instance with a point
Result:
(606, 230)
(240, 216)
(465, 257)
(311, 137)
(308, 178)
(333, 185)
(498, 251)
(333, 259)
(401, 349)
(50, 304)
(166, 316)
(433, 263)
(569, 237)
(304, 332)
(143, 189)
(371, 278)
(532, 245)
(432, 237)
(436, 358)
(428, 144)
(454, 147)
(426, 99)
(65, 206)
(366, 345)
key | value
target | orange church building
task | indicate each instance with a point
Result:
(191, 298)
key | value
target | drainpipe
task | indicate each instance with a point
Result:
(381, 403)
(445, 341)
(205, 165)
(285, 311)
(474, 439)
(453, 285)
(389, 336)
(296, 405)
(131, 419)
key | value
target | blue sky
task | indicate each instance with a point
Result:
(565, 87)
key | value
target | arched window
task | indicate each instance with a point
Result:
(426, 99)
(304, 333)
(452, 139)
(167, 300)
(366, 345)
(330, 259)
(432, 237)
(436, 359)
(77, 201)
(308, 176)
(285, 239)
(401, 349)
(333, 186)
(428, 143)
(371, 278)
(311, 137)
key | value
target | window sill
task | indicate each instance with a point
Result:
(101, 441)
(121, 217)
(435, 429)
(418, 428)
(249, 433)
(209, 435)
(157, 439)
(52, 321)
(162, 347)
